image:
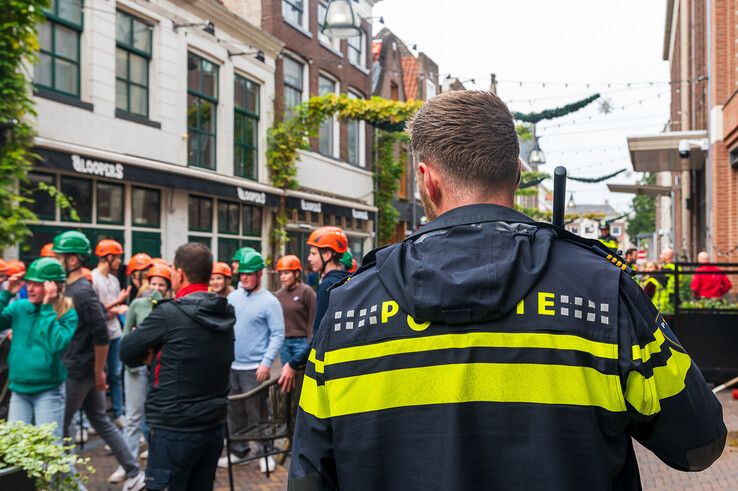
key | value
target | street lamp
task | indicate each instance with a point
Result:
(341, 20)
(536, 157)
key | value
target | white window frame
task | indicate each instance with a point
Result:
(305, 24)
(305, 76)
(362, 53)
(336, 140)
(362, 134)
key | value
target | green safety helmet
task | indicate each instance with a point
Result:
(71, 242)
(251, 262)
(604, 224)
(45, 269)
(238, 255)
(347, 259)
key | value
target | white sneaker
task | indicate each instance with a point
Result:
(268, 461)
(144, 455)
(235, 460)
(81, 436)
(118, 476)
(108, 450)
(120, 422)
(136, 483)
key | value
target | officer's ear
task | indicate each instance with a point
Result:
(429, 181)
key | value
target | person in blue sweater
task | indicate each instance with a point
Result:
(259, 335)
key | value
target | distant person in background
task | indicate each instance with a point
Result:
(668, 280)
(220, 279)
(651, 285)
(631, 256)
(136, 272)
(709, 285)
(606, 237)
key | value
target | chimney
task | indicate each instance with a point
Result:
(493, 83)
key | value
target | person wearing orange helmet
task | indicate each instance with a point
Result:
(298, 305)
(135, 270)
(108, 290)
(327, 246)
(159, 279)
(46, 250)
(12, 268)
(220, 280)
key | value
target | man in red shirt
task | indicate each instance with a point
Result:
(709, 285)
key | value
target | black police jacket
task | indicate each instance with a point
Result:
(192, 338)
(486, 352)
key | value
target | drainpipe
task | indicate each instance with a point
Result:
(684, 30)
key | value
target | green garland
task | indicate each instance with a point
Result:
(18, 46)
(592, 180)
(387, 182)
(558, 112)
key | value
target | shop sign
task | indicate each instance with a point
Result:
(97, 168)
(251, 196)
(359, 214)
(311, 206)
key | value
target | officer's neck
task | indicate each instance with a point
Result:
(449, 202)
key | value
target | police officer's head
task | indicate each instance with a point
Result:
(466, 151)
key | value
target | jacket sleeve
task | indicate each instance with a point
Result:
(6, 311)
(313, 466)
(695, 285)
(672, 412)
(275, 321)
(310, 304)
(59, 331)
(150, 334)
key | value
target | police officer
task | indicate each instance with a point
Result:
(606, 237)
(469, 357)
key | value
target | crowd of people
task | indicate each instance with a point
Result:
(167, 348)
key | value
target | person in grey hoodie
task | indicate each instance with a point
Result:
(259, 335)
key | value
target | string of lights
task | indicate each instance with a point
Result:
(598, 130)
(608, 93)
(593, 84)
(588, 121)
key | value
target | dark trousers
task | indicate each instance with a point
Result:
(242, 381)
(183, 460)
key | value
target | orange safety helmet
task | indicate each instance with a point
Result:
(138, 262)
(46, 250)
(14, 267)
(108, 246)
(3, 266)
(160, 270)
(222, 268)
(332, 238)
(159, 260)
(289, 263)
(354, 266)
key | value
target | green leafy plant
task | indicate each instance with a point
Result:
(709, 304)
(36, 451)
(387, 173)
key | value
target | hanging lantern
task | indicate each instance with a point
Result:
(341, 20)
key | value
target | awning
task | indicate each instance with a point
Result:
(660, 152)
(647, 189)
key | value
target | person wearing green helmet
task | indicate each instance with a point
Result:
(42, 326)
(259, 334)
(237, 256)
(86, 356)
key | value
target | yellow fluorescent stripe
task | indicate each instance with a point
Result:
(644, 394)
(644, 352)
(475, 382)
(313, 358)
(472, 340)
(313, 399)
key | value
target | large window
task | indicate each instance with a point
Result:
(293, 11)
(200, 212)
(145, 207)
(293, 84)
(246, 128)
(79, 192)
(202, 102)
(228, 217)
(109, 203)
(59, 40)
(354, 138)
(43, 204)
(327, 127)
(356, 50)
(242, 223)
(132, 56)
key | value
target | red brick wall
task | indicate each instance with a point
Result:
(318, 58)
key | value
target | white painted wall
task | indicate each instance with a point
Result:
(316, 172)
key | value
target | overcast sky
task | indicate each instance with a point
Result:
(567, 41)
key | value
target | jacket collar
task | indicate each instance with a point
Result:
(471, 214)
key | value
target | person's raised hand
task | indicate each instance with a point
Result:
(123, 295)
(51, 292)
(15, 283)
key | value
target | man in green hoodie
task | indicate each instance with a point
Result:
(43, 324)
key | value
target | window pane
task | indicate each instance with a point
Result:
(292, 98)
(228, 217)
(206, 116)
(139, 100)
(109, 203)
(121, 64)
(193, 72)
(251, 221)
(44, 36)
(66, 76)
(79, 192)
(66, 42)
(43, 205)
(292, 11)
(42, 73)
(122, 28)
(209, 79)
(292, 73)
(141, 36)
(249, 132)
(208, 152)
(252, 97)
(226, 249)
(200, 212)
(353, 142)
(145, 207)
(70, 10)
(322, 9)
(192, 110)
(325, 132)
(239, 92)
(121, 95)
(139, 69)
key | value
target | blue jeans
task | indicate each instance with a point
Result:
(39, 408)
(114, 377)
(137, 383)
(183, 460)
(292, 347)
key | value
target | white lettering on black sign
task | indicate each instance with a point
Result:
(96, 168)
(311, 206)
(360, 214)
(251, 196)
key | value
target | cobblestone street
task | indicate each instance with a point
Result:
(655, 475)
